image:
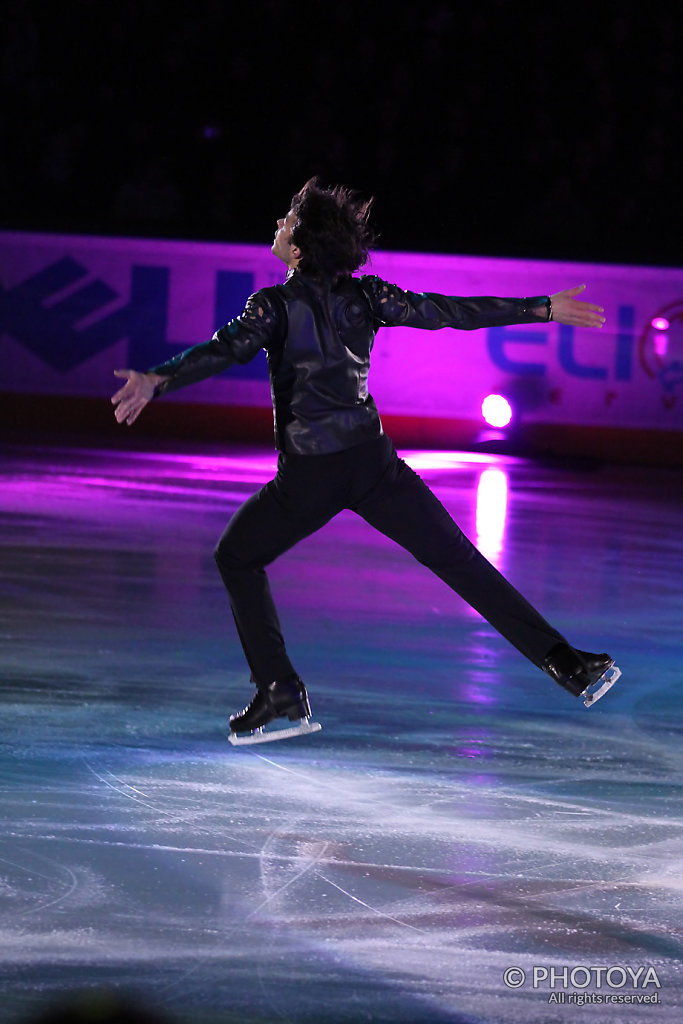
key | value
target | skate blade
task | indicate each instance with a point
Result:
(304, 727)
(601, 686)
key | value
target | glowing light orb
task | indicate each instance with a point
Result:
(660, 323)
(496, 410)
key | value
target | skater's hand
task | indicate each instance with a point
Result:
(568, 310)
(134, 395)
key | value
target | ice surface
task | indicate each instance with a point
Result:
(458, 815)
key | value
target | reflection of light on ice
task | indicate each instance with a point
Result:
(661, 343)
(492, 499)
(426, 460)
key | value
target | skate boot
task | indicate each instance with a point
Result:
(280, 699)
(581, 673)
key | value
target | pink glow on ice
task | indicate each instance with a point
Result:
(660, 323)
(492, 501)
(661, 345)
(475, 695)
(425, 460)
(242, 467)
(496, 410)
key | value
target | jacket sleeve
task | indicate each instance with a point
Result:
(393, 307)
(257, 327)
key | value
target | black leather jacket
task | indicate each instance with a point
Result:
(318, 336)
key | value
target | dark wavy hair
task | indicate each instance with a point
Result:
(331, 230)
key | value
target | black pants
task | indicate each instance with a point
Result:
(372, 481)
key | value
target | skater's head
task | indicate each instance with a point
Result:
(326, 232)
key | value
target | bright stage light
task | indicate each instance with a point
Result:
(496, 410)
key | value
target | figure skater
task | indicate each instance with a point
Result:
(318, 328)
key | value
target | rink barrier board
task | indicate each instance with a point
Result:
(54, 419)
(74, 308)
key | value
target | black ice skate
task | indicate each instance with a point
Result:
(287, 698)
(583, 674)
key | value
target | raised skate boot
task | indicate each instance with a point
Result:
(280, 699)
(581, 673)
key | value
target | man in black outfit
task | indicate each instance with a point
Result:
(318, 330)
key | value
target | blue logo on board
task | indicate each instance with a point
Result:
(43, 313)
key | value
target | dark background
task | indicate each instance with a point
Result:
(494, 128)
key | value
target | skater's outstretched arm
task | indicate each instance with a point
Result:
(135, 394)
(395, 307)
(258, 326)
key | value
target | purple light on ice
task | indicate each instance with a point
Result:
(661, 345)
(492, 501)
(426, 460)
(496, 410)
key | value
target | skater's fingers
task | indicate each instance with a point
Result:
(129, 377)
(583, 309)
(119, 395)
(574, 312)
(128, 412)
(581, 319)
(576, 290)
(130, 400)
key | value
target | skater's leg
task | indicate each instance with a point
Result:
(246, 545)
(258, 533)
(301, 499)
(403, 508)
